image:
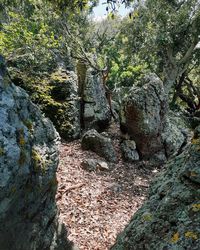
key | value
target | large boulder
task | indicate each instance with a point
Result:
(28, 162)
(170, 217)
(144, 116)
(99, 144)
(96, 111)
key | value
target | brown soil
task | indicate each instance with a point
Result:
(96, 206)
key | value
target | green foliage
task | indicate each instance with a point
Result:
(28, 43)
(159, 36)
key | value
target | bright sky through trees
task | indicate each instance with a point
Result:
(100, 12)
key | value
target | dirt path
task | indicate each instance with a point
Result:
(96, 206)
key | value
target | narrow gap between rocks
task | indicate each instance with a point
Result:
(96, 206)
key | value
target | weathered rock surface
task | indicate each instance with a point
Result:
(170, 217)
(57, 96)
(28, 162)
(175, 134)
(144, 118)
(99, 144)
(129, 152)
(96, 111)
(93, 165)
(64, 110)
(143, 115)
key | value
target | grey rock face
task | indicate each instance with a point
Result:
(28, 162)
(175, 134)
(170, 217)
(129, 152)
(99, 144)
(144, 116)
(96, 109)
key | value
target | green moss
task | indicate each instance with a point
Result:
(2, 152)
(195, 141)
(29, 124)
(147, 217)
(59, 77)
(191, 235)
(38, 163)
(21, 139)
(22, 157)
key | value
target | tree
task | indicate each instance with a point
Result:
(169, 30)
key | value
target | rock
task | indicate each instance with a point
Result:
(93, 165)
(99, 144)
(170, 217)
(197, 132)
(57, 96)
(175, 134)
(129, 152)
(143, 115)
(145, 118)
(96, 111)
(28, 162)
(64, 111)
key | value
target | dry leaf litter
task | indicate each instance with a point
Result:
(96, 206)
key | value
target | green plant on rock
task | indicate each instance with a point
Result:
(39, 164)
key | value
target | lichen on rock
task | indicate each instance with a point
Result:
(173, 206)
(145, 117)
(28, 213)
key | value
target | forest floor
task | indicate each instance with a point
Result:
(96, 206)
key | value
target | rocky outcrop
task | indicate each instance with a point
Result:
(57, 96)
(99, 144)
(170, 217)
(95, 109)
(144, 118)
(64, 110)
(143, 115)
(28, 162)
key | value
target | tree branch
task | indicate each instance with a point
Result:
(170, 56)
(188, 54)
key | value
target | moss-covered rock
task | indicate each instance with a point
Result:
(170, 218)
(28, 162)
(57, 96)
